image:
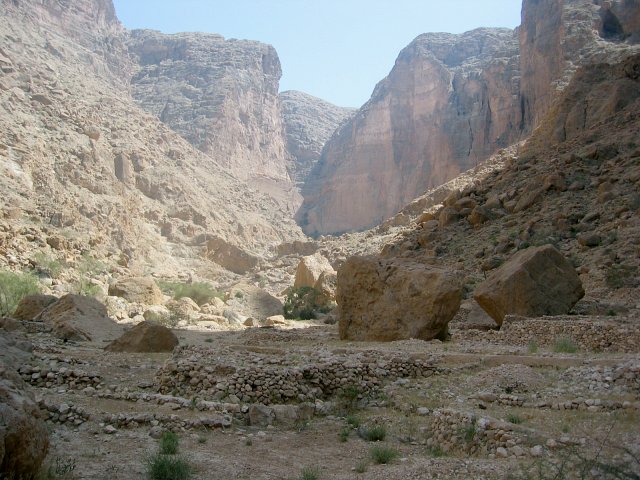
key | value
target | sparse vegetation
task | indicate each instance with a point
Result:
(168, 467)
(565, 345)
(436, 451)
(361, 467)
(619, 276)
(310, 473)
(468, 432)
(532, 347)
(344, 434)
(48, 264)
(376, 433)
(302, 303)
(13, 288)
(87, 268)
(169, 443)
(353, 421)
(199, 292)
(383, 455)
(514, 418)
(60, 469)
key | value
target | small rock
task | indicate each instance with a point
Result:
(110, 430)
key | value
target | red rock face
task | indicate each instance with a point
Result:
(453, 100)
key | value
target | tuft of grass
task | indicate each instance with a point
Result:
(169, 443)
(344, 434)
(514, 418)
(377, 433)
(353, 421)
(469, 431)
(168, 467)
(532, 347)
(565, 345)
(52, 266)
(436, 451)
(13, 288)
(310, 473)
(361, 466)
(383, 455)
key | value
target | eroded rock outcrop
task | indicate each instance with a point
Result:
(221, 95)
(309, 122)
(451, 101)
(137, 289)
(385, 300)
(534, 282)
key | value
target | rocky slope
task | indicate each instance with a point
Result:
(309, 122)
(88, 171)
(222, 96)
(450, 102)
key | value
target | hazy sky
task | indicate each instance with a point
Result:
(334, 49)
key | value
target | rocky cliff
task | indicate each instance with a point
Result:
(85, 170)
(222, 96)
(451, 101)
(309, 122)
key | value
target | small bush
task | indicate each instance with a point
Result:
(169, 443)
(468, 433)
(619, 276)
(302, 303)
(353, 421)
(383, 455)
(310, 473)
(436, 451)
(13, 288)
(377, 433)
(199, 292)
(565, 345)
(361, 467)
(344, 434)
(49, 264)
(168, 467)
(532, 346)
(87, 268)
(514, 418)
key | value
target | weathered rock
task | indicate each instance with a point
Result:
(76, 317)
(24, 439)
(137, 290)
(297, 247)
(32, 305)
(146, 337)
(261, 415)
(223, 100)
(385, 300)
(534, 282)
(309, 122)
(230, 256)
(310, 269)
(157, 313)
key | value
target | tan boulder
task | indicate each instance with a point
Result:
(534, 282)
(24, 438)
(146, 337)
(76, 317)
(137, 290)
(310, 269)
(385, 300)
(31, 306)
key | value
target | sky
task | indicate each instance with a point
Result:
(334, 49)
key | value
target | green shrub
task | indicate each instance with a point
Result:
(361, 467)
(13, 288)
(532, 346)
(310, 473)
(302, 303)
(468, 432)
(436, 451)
(565, 345)
(514, 418)
(169, 443)
(353, 421)
(199, 292)
(344, 434)
(49, 264)
(168, 467)
(377, 433)
(87, 268)
(383, 455)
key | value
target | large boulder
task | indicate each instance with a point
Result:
(31, 306)
(310, 269)
(146, 337)
(534, 282)
(24, 439)
(395, 299)
(137, 290)
(76, 317)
